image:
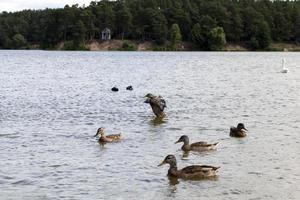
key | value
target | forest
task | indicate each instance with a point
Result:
(208, 25)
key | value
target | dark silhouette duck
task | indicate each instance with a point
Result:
(129, 88)
(197, 146)
(114, 89)
(190, 172)
(239, 131)
(107, 138)
(157, 103)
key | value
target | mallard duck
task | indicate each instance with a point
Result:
(239, 131)
(157, 103)
(107, 138)
(190, 172)
(114, 89)
(197, 146)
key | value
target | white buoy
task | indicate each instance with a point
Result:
(284, 69)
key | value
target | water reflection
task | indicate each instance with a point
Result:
(158, 121)
(185, 155)
(173, 181)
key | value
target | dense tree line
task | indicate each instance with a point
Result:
(207, 24)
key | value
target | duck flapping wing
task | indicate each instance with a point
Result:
(158, 102)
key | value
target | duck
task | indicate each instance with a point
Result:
(129, 88)
(284, 69)
(197, 146)
(239, 131)
(114, 89)
(189, 172)
(107, 138)
(157, 103)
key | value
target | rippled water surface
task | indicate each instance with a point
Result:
(51, 104)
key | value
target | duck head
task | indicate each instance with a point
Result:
(170, 159)
(184, 139)
(129, 87)
(148, 96)
(241, 126)
(100, 131)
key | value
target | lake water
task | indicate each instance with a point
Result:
(52, 103)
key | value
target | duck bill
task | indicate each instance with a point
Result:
(96, 135)
(245, 129)
(162, 163)
(177, 142)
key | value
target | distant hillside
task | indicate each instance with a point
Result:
(165, 24)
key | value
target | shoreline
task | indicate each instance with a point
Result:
(149, 46)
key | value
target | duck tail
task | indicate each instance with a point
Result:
(216, 144)
(216, 168)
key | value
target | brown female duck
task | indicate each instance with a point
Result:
(190, 172)
(157, 103)
(197, 146)
(239, 131)
(107, 138)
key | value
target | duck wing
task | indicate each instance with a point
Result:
(233, 129)
(198, 169)
(114, 136)
(158, 102)
(200, 144)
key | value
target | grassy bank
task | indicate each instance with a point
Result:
(133, 45)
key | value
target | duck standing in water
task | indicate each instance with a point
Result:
(157, 103)
(197, 146)
(239, 131)
(190, 172)
(107, 138)
(284, 69)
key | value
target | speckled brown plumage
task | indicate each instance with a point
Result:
(190, 172)
(197, 146)
(107, 138)
(157, 103)
(239, 131)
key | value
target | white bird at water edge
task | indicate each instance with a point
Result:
(284, 69)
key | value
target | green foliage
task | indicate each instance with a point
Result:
(123, 19)
(79, 32)
(196, 35)
(18, 41)
(128, 46)
(74, 46)
(263, 35)
(247, 21)
(216, 39)
(175, 36)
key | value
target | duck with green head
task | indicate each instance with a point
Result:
(197, 146)
(239, 131)
(190, 172)
(157, 103)
(107, 138)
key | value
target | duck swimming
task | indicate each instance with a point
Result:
(239, 131)
(107, 138)
(197, 146)
(190, 172)
(114, 89)
(129, 88)
(157, 103)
